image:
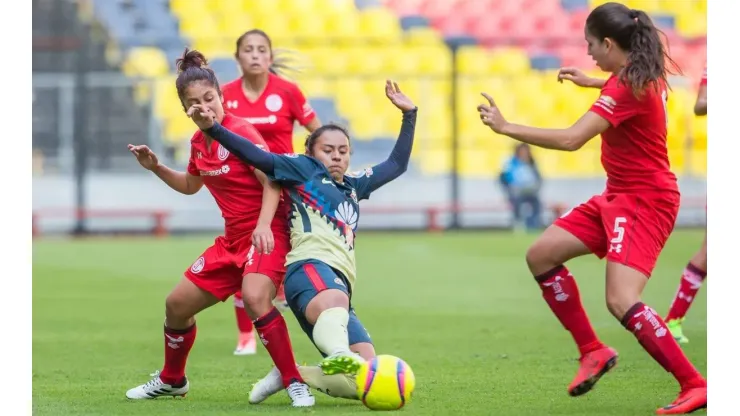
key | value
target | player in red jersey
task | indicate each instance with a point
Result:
(631, 220)
(250, 256)
(696, 271)
(272, 104)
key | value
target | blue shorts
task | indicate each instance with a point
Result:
(306, 279)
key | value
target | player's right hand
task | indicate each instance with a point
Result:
(147, 159)
(575, 76)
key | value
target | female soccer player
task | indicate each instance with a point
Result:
(696, 271)
(325, 211)
(272, 104)
(254, 244)
(631, 220)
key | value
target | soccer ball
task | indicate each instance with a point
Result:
(385, 383)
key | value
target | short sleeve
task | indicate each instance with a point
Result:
(616, 104)
(293, 168)
(192, 169)
(300, 108)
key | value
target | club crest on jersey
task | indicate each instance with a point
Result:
(222, 152)
(273, 102)
(198, 266)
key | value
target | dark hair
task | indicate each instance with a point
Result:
(636, 34)
(192, 66)
(311, 138)
(280, 62)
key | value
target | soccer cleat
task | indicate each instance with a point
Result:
(247, 344)
(593, 365)
(266, 387)
(674, 325)
(300, 394)
(341, 363)
(157, 388)
(688, 401)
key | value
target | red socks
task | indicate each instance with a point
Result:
(561, 293)
(655, 338)
(691, 281)
(274, 335)
(177, 345)
(243, 321)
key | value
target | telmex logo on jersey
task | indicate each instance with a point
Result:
(271, 119)
(224, 170)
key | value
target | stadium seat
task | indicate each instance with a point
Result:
(426, 36)
(145, 62)
(380, 25)
(510, 61)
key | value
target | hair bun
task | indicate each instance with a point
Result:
(190, 59)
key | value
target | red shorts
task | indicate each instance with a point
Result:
(220, 269)
(630, 229)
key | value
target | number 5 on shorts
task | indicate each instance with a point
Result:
(616, 242)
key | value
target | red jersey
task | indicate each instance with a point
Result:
(634, 152)
(233, 184)
(704, 77)
(275, 111)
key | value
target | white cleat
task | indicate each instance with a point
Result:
(300, 394)
(247, 344)
(271, 384)
(157, 388)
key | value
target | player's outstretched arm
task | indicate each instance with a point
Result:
(181, 182)
(570, 139)
(243, 148)
(398, 161)
(579, 78)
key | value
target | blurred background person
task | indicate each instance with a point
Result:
(522, 182)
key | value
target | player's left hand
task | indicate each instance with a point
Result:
(398, 98)
(491, 116)
(203, 117)
(262, 239)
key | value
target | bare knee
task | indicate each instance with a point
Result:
(327, 299)
(554, 247)
(624, 287)
(178, 311)
(257, 292)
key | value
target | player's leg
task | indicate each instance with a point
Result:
(246, 344)
(576, 233)
(639, 229)
(181, 306)
(341, 386)
(264, 274)
(279, 300)
(691, 281)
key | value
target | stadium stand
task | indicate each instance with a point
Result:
(349, 46)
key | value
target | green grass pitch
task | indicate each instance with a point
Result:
(460, 308)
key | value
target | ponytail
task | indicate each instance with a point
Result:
(648, 62)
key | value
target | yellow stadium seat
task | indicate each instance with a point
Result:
(424, 36)
(198, 26)
(380, 25)
(400, 61)
(179, 128)
(316, 86)
(145, 62)
(435, 162)
(365, 60)
(214, 46)
(473, 60)
(185, 8)
(699, 133)
(676, 156)
(698, 162)
(344, 28)
(648, 6)
(328, 61)
(234, 25)
(228, 8)
(511, 61)
(309, 28)
(263, 7)
(434, 60)
(692, 24)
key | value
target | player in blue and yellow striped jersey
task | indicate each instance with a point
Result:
(324, 215)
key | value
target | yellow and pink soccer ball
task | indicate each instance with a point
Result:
(385, 383)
